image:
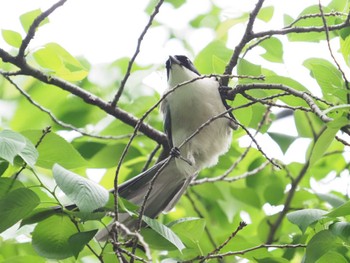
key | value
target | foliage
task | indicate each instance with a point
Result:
(71, 134)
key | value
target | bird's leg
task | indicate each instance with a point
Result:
(175, 152)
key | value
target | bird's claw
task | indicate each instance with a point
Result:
(175, 152)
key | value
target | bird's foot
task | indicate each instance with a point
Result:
(175, 152)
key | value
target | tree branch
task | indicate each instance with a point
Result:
(34, 26)
(132, 60)
(127, 118)
(303, 95)
(245, 39)
(244, 251)
(217, 249)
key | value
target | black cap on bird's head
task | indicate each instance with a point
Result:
(182, 61)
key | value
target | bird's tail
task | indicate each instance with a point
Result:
(167, 189)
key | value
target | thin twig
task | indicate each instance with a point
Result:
(304, 17)
(59, 122)
(132, 60)
(342, 140)
(315, 109)
(242, 225)
(244, 251)
(34, 26)
(46, 131)
(245, 39)
(332, 54)
(139, 237)
(231, 179)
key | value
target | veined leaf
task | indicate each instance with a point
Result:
(51, 237)
(304, 218)
(16, 205)
(342, 210)
(87, 195)
(54, 149)
(165, 232)
(11, 144)
(328, 77)
(58, 60)
(320, 244)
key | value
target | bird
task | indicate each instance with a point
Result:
(190, 106)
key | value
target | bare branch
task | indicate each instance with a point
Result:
(245, 39)
(34, 26)
(216, 250)
(244, 251)
(56, 120)
(314, 16)
(303, 95)
(285, 31)
(231, 179)
(132, 60)
(88, 97)
(138, 237)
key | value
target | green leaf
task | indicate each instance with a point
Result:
(320, 244)
(190, 227)
(11, 144)
(176, 3)
(283, 141)
(345, 49)
(304, 218)
(24, 259)
(54, 149)
(29, 154)
(274, 50)
(79, 240)
(38, 215)
(274, 193)
(214, 51)
(328, 77)
(224, 27)
(322, 144)
(165, 232)
(16, 205)
(303, 121)
(3, 166)
(333, 257)
(51, 237)
(245, 67)
(266, 13)
(28, 18)
(341, 229)
(272, 260)
(342, 210)
(87, 195)
(7, 185)
(55, 58)
(331, 199)
(12, 38)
